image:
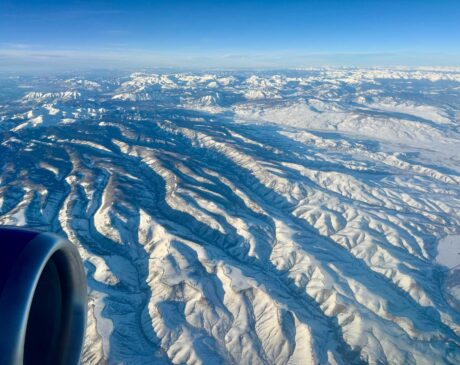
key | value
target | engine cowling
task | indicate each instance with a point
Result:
(42, 299)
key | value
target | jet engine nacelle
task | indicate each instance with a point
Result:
(42, 299)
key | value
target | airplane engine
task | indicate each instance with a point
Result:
(42, 299)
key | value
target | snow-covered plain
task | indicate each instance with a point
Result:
(248, 218)
(449, 251)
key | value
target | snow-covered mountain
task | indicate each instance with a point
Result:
(298, 217)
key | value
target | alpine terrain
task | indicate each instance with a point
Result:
(306, 216)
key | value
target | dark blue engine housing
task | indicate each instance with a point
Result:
(42, 299)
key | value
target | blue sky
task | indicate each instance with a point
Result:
(228, 34)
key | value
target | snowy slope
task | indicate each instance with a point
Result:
(249, 218)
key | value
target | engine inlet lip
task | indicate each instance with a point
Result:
(27, 253)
